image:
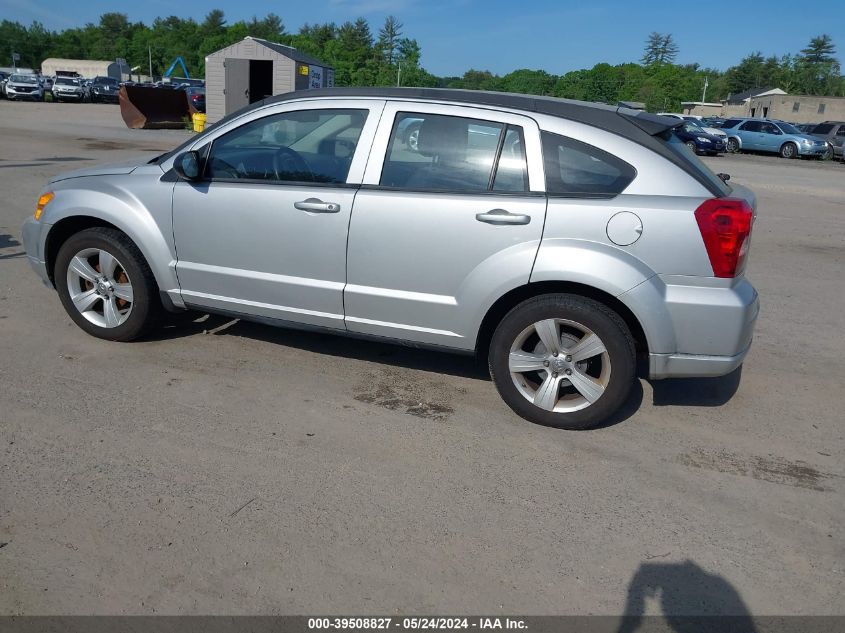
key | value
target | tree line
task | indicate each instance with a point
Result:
(362, 57)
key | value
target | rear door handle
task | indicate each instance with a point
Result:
(502, 216)
(315, 205)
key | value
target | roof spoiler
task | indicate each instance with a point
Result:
(649, 123)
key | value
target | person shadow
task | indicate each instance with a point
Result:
(691, 599)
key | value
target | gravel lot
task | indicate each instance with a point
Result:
(225, 467)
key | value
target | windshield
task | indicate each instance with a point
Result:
(66, 81)
(789, 129)
(24, 79)
(103, 81)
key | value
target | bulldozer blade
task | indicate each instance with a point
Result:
(150, 108)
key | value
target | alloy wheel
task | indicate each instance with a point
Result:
(99, 287)
(559, 365)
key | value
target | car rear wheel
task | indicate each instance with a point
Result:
(789, 150)
(733, 146)
(563, 360)
(106, 286)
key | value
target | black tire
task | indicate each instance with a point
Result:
(789, 150)
(411, 134)
(146, 304)
(598, 318)
(692, 147)
(732, 146)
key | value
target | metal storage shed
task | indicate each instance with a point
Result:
(253, 69)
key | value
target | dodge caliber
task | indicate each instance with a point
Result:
(571, 245)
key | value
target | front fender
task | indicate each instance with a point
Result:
(614, 272)
(145, 216)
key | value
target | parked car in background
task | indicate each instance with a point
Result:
(21, 86)
(103, 90)
(47, 85)
(699, 141)
(713, 121)
(773, 136)
(4, 76)
(557, 241)
(697, 121)
(804, 128)
(833, 133)
(197, 97)
(68, 89)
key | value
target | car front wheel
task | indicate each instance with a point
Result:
(105, 285)
(563, 360)
(733, 146)
(789, 150)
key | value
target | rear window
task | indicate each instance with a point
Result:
(677, 146)
(731, 123)
(574, 168)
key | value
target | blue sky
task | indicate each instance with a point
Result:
(503, 35)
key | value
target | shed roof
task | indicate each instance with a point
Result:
(288, 51)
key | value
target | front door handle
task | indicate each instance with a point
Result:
(315, 205)
(501, 216)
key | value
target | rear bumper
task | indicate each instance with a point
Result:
(695, 330)
(692, 365)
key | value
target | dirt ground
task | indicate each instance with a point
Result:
(225, 467)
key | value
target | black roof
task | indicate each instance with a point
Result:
(612, 118)
(289, 51)
(740, 97)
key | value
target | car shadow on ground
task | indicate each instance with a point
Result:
(700, 392)
(7, 241)
(696, 392)
(691, 600)
(187, 324)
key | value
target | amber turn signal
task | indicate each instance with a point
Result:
(42, 202)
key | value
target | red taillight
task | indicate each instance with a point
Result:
(725, 225)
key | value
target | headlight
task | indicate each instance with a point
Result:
(43, 201)
(806, 141)
(702, 139)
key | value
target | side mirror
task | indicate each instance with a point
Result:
(187, 165)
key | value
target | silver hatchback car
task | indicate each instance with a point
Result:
(560, 240)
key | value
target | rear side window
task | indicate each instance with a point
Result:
(574, 168)
(447, 153)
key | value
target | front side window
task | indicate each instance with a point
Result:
(448, 153)
(768, 128)
(313, 146)
(574, 168)
(841, 131)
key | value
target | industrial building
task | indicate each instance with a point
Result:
(253, 69)
(772, 103)
(85, 67)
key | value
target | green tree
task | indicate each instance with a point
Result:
(388, 39)
(659, 49)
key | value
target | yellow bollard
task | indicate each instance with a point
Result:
(199, 121)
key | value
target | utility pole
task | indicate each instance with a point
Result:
(150, 53)
(398, 72)
(704, 94)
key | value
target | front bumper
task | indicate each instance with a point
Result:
(812, 150)
(34, 235)
(36, 95)
(111, 97)
(76, 96)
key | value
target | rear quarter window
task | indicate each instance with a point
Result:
(705, 173)
(574, 168)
